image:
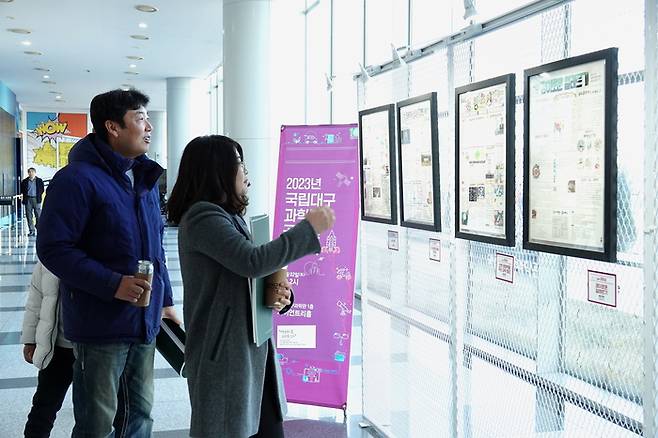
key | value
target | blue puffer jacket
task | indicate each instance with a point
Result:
(92, 230)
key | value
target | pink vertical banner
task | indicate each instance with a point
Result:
(318, 165)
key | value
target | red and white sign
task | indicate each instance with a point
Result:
(602, 288)
(505, 267)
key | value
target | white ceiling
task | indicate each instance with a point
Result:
(79, 35)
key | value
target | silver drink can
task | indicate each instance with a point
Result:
(145, 272)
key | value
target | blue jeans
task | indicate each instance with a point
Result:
(98, 373)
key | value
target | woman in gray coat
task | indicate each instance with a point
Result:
(235, 387)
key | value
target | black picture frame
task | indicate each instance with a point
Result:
(609, 247)
(509, 80)
(365, 216)
(434, 150)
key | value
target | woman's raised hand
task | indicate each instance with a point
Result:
(321, 219)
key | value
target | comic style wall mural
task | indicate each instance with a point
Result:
(50, 137)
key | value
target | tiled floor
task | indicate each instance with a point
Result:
(171, 411)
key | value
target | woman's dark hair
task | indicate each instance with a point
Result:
(207, 172)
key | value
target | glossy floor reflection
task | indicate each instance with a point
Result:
(171, 411)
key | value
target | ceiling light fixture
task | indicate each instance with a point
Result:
(132, 66)
(33, 52)
(19, 31)
(139, 37)
(46, 77)
(41, 69)
(146, 8)
(143, 25)
(26, 43)
(135, 58)
(58, 97)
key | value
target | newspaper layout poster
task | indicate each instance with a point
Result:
(416, 162)
(375, 129)
(483, 161)
(567, 157)
(318, 166)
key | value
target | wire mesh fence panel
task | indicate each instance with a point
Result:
(457, 352)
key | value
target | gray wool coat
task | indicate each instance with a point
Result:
(225, 370)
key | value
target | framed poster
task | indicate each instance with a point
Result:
(570, 168)
(418, 155)
(377, 159)
(484, 168)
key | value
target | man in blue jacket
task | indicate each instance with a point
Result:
(101, 216)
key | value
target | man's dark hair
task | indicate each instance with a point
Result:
(32, 168)
(207, 172)
(113, 105)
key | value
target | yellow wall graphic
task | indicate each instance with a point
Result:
(50, 138)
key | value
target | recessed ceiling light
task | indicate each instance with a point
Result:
(139, 37)
(49, 82)
(135, 57)
(20, 31)
(33, 52)
(146, 8)
(58, 97)
(41, 69)
(46, 77)
(132, 66)
(131, 72)
(26, 43)
(143, 25)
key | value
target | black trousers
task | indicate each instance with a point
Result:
(271, 423)
(53, 382)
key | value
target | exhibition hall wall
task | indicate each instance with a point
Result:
(468, 338)
(467, 350)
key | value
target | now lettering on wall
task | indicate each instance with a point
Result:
(50, 137)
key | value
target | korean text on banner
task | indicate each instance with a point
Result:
(318, 166)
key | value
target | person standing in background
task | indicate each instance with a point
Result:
(32, 191)
(47, 349)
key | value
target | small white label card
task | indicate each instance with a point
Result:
(295, 336)
(505, 267)
(393, 240)
(435, 250)
(602, 288)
